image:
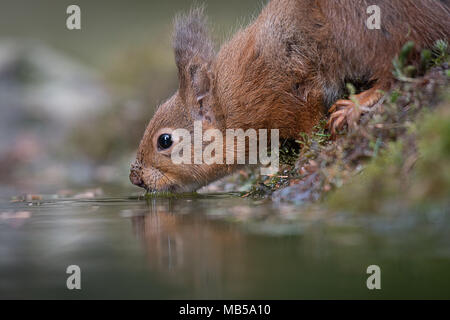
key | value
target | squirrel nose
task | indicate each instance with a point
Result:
(136, 179)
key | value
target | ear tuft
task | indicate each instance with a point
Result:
(192, 44)
(191, 38)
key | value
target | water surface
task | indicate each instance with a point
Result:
(217, 246)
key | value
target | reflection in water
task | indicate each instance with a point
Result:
(218, 246)
(232, 248)
(187, 249)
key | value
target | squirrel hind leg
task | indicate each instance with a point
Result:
(347, 112)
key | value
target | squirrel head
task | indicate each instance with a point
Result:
(194, 100)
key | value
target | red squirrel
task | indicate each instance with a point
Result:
(284, 71)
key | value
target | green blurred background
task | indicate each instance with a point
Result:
(74, 103)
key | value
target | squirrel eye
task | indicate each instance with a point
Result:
(165, 141)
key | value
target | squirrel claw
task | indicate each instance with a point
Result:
(343, 112)
(348, 112)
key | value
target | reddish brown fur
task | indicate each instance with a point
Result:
(281, 72)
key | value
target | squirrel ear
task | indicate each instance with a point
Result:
(194, 52)
(200, 78)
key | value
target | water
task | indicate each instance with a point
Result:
(217, 246)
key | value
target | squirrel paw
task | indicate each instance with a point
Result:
(347, 112)
(343, 112)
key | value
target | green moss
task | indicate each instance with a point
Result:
(432, 174)
(289, 152)
(413, 171)
(376, 184)
(292, 152)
